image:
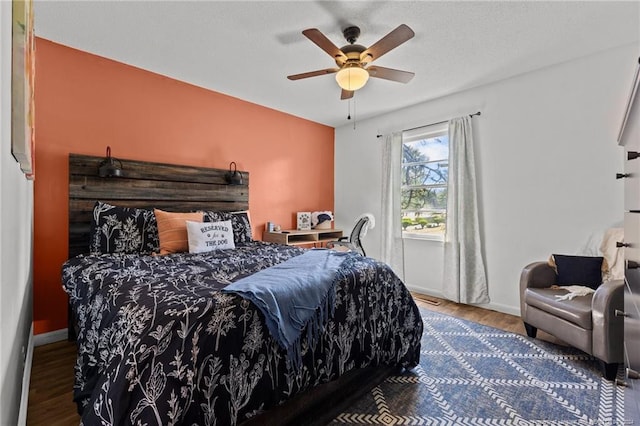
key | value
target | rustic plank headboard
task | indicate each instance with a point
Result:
(145, 184)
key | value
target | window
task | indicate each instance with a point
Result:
(425, 171)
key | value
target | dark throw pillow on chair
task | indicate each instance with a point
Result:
(579, 270)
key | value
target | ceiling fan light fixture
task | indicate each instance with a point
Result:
(352, 77)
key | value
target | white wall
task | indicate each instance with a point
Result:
(16, 235)
(547, 158)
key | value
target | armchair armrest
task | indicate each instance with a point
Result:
(608, 329)
(535, 275)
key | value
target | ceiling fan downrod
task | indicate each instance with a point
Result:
(351, 34)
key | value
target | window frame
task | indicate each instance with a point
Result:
(422, 133)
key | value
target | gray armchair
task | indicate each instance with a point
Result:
(588, 323)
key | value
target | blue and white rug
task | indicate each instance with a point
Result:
(470, 374)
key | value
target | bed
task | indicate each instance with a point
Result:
(163, 340)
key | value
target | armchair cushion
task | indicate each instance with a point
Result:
(576, 311)
(578, 270)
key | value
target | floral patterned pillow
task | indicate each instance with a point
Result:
(123, 230)
(239, 220)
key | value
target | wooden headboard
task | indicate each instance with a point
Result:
(144, 184)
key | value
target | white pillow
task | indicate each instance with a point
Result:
(209, 236)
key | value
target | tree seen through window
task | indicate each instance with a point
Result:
(425, 170)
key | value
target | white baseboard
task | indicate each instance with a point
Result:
(26, 380)
(50, 337)
(505, 309)
(425, 291)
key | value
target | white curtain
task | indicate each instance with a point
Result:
(391, 225)
(464, 278)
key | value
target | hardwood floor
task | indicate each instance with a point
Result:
(488, 317)
(51, 388)
(51, 396)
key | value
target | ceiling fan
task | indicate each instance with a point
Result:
(353, 59)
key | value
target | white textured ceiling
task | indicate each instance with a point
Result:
(247, 48)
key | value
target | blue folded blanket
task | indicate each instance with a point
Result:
(293, 295)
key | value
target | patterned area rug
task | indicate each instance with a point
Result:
(470, 374)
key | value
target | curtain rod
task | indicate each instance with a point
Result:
(432, 124)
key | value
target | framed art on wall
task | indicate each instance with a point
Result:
(22, 85)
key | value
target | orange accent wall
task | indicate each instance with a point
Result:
(85, 102)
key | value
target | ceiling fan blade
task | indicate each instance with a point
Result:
(312, 73)
(392, 40)
(346, 94)
(324, 43)
(390, 74)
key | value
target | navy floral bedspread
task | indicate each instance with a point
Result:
(159, 344)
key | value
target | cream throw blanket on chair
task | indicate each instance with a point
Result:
(574, 291)
(612, 254)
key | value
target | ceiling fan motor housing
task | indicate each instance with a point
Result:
(352, 52)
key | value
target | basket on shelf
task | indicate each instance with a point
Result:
(324, 225)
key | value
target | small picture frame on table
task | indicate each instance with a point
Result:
(304, 221)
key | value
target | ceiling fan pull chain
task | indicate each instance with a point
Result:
(349, 109)
(354, 114)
